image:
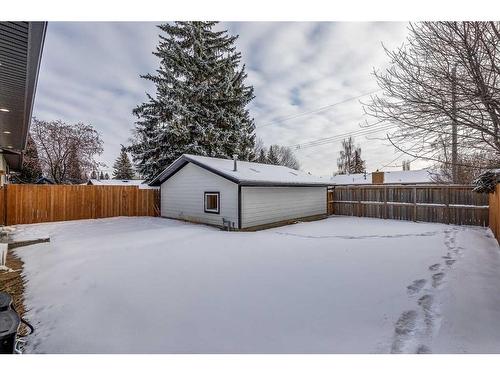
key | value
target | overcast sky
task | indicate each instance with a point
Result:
(90, 73)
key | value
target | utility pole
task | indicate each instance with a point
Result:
(454, 152)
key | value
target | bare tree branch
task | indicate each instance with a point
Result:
(66, 152)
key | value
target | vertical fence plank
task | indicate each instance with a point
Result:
(494, 212)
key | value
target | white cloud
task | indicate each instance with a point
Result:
(303, 66)
(90, 73)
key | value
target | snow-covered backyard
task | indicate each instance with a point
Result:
(339, 285)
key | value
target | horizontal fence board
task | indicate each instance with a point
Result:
(453, 204)
(27, 204)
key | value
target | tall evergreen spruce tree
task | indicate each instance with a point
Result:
(262, 157)
(200, 102)
(272, 155)
(122, 168)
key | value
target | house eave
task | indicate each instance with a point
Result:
(21, 47)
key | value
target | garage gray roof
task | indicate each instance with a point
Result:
(247, 173)
(21, 45)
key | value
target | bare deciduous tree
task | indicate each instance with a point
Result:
(406, 165)
(445, 73)
(350, 160)
(287, 157)
(469, 167)
(65, 148)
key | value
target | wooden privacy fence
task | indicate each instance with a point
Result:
(452, 204)
(26, 204)
(495, 212)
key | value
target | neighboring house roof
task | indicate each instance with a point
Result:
(21, 45)
(141, 184)
(247, 173)
(390, 177)
(44, 181)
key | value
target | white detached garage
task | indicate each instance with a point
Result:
(240, 194)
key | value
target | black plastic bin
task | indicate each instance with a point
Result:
(9, 324)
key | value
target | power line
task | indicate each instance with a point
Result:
(367, 130)
(317, 110)
(335, 138)
(392, 161)
(400, 156)
(323, 141)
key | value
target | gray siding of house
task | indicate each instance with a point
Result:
(182, 196)
(265, 205)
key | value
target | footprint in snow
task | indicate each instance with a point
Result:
(434, 267)
(423, 349)
(448, 259)
(404, 328)
(450, 262)
(431, 313)
(416, 286)
(437, 279)
(406, 323)
(427, 302)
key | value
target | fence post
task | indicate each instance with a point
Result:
(497, 212)
(491, 213)
(330, 201)
(359, 201)
(386, 207)
(494, 212)
(414, 204)
(448, 205)
(332, 192)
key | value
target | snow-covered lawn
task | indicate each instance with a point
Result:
(340, 285)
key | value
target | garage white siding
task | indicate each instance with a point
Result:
(264, 205)
(182, 196)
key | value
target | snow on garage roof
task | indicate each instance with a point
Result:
(421, 176)
(247, 173)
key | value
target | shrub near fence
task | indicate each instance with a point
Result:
(453, 204)
(26, 204)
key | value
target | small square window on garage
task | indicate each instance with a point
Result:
(212, 202)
